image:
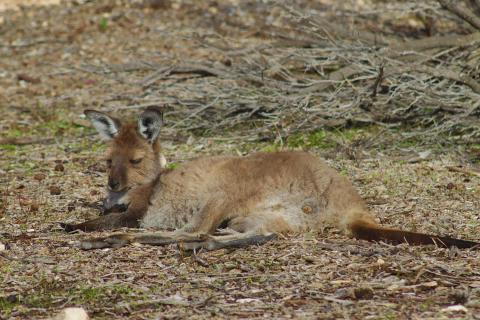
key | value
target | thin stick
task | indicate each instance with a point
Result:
(452, 6)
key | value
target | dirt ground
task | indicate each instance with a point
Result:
(56, 61)
(15, 4)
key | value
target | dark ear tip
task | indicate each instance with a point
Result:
(89, 112)
(157, 109)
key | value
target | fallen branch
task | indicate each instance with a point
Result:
(475, 4)
(395, 50)
(453, 6)
(318, 71)
(333, 78)
(378, 81)
(436, 42)
(26, 140)
(449, 74)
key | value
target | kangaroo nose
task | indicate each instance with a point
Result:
(113, 184)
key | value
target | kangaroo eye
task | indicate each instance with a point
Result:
(136, 161)
(109, 162)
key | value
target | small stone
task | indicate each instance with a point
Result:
(3, 247)
(309, 259)
(54, 190)
(72, 314)
(34, 207)
(39, 176)
(28, 78)
(456, 308)
(307, 209)
(451, 186)
(363, 293)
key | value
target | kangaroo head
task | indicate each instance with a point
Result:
(133, 156)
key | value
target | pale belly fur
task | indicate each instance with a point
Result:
(298, 211)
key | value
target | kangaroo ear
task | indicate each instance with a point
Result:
(106, 126)
(149, 123)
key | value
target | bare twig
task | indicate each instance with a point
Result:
(449, 74)
(475, 5)
(454, 7)
(279, 87)
(436, 42)
(470, 172)
(26, 140)
(377, 82)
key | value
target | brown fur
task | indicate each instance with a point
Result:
(261, 194)
(128, 147)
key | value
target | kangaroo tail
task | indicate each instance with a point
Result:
(372, 232)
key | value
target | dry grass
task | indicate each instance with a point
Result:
(239, 78)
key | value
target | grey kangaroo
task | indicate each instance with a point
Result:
(253, 197)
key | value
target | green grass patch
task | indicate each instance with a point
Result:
(39, 301)
(47, 122)
(475, 146)
(11, 302)
(90, 294)
(390, 315)
(48, 293)
(103, 24)
(409, 143)
(7, 304)
(172, 165)
(314, 140)
(86, 295)
(61, 128)
(272, 147)
(8, 148)
(322, 139)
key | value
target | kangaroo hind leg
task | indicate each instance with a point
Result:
(187, 241)
(117, 240)
(245, 231)
(255, 229)
(235, 241)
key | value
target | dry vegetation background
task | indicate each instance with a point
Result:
(387, 91)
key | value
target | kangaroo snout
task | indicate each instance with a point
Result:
(113, 184)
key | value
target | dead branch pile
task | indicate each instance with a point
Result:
(317, 66)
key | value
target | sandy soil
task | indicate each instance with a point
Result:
(15, 4)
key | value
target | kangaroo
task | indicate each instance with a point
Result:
(253, 198)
